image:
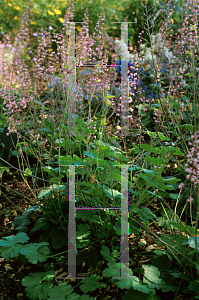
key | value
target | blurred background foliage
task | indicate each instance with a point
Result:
(45, 13)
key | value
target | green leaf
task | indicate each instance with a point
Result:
(26, 57)
(136, 295)
(194, 286)
(133, 282)
(109, 96)
(55, 187)
(86, 297)
(41, 224)
(35, 252)
(177, 274)
(151, 278)
(12, 245)
(85, 215)
(27, 171)
(73, 296)
(106, 253)
(45, 193)
(36, 287)
(127, 283)
(90, 283)
(174, 196)
(48, 123)
(164, 223)
(114, 269)
(171, 180)
(174, 240)
(56, 180)
(103, 121)
(82, 235)
(197, 268)
(154, 161)
(184, 228)
(24, 225)
(187, 126)
(146, 147)
(176, 151)
(58, 238)
(50, 170)
(149, 180)
(2, 169)
(91, 155)
(61, 142)
(144, 213)
(111, 193)
(150, 133)
(117, 227)
(193, 243)
(61, 292)
(189, 74)
(162, 137)
(24, 220)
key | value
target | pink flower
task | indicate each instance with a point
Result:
(190, 199)
(181, 185)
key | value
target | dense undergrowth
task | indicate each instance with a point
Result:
(152, 172)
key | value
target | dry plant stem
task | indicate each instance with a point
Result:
(157, 237)
(24, 171)
(178, 200)
(20, 194)
(13, 202)
(21, 153)
(90, 117)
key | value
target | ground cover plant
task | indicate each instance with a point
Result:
(159, 155)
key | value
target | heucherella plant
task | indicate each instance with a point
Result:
(145, 59)
(32, 82)
(193, 161)
(98, 184)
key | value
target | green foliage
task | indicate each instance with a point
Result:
(46, 193)
(100, 225)
(144, 214)
(12, 246)
(129, 281)
(23, 222)
(38, 284)
(90, 283)
(43, 229)
(153, 280)
(35, 252)
(61, 292)
(140, 296)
